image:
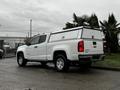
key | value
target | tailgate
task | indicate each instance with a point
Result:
(93, 41)
(93, 47)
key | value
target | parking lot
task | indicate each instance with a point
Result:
(36, 77)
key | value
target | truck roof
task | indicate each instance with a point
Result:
(67, 30)
(76, 28)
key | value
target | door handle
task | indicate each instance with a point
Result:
(35, 46)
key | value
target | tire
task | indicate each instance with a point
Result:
(21, 60)
(1, 55)
(61, 63)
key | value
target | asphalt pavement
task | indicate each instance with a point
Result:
(36, 77)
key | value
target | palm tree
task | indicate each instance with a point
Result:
(83, 20)
(110, 28)
(93, 21)
(68, 25)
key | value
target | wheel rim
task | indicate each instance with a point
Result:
(20, 60)
(60, 63)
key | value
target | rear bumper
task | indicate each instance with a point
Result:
(87, 59)
(93, 58)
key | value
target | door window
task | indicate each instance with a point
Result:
(35, 40)
(42, 38)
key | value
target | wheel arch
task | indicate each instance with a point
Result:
(57, 52)
(20, 52)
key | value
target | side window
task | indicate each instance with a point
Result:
(35, 40)
(42, 38)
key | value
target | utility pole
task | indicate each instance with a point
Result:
(30, 28)
(28, 35)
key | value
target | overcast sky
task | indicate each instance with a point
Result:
(50, 15)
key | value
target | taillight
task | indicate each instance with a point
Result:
(81, 46)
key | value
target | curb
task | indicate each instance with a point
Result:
(106, 68)
(9, 57)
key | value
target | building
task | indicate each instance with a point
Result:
(12, 39)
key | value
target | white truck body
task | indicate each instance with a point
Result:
(67, 41)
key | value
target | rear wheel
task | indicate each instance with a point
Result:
(21, 60)
(61, 63)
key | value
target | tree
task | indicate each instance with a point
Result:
(69, 25)
(93, 21)
(75, 19)
(110, 28)
(79, 21)
(83, 20)
(27, 39)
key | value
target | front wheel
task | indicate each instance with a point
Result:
(61, 63)
(21, 60)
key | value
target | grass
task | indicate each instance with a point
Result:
(112, 60)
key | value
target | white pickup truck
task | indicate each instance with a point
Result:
(68, 47)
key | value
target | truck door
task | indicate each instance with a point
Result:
(41, 49)
(37, 49)
(31, 50)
